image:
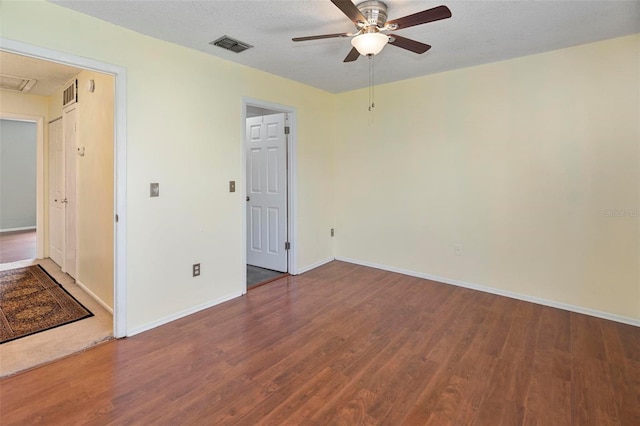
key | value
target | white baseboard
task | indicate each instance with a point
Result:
(181, 314)
(499, 292)
(24, 228)
(315, 265)
(95, 297)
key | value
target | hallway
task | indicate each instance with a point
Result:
(17, 245)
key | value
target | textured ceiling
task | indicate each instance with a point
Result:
(479, 32)
(49, 75)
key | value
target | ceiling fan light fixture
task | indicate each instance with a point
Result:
(370, 43)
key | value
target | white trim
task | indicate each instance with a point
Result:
(182, 314)
(18, 264)
(120, 203)
(94, 297)
(314, 265)
(493, 290)
(292, 180)
(120, 146)
(24, 228)
(41, 200)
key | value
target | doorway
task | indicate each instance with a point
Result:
(18, 189)
(270, 177)
(119, 145)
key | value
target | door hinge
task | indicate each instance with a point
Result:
(117, 218)
(287, 245)
(287, 129)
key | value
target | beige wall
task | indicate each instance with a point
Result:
(55, 104)
(18, 103)
(517, 161)
(184, 130)
(95, 225)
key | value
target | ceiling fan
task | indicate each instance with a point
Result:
(370, 19)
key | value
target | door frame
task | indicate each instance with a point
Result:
(40, 193)
(120, 161)
(48, 197)
(292, 180)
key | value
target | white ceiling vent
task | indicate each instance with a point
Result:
(16, 84)
(70, 94)
(231, 44)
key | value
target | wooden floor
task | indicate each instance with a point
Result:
(345, 344)
(17, 245)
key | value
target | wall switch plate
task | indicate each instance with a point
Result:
(232, 186)
(333, 232)
(196, 269)
(154, 190)
(457, 249)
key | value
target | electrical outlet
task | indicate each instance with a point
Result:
(457, 249)
(333, 232)
(196, 269)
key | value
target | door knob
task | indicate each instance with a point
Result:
(248, 198)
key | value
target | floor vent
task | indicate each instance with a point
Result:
(231, 44)
(16, 84)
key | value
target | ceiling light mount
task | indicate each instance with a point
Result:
(375, 11)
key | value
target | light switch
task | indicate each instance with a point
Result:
(154, 190)
(232, 186)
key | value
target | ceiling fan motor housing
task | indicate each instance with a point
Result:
(375, 12)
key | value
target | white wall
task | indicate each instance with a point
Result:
(184, 130)
(519, 162)
(17, 175)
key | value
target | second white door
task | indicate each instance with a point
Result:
(267, 192)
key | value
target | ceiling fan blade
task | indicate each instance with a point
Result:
(318, 37)
(408, 44)
(348, 8)
(429, 15)
(352, 56)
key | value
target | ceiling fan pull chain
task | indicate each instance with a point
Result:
(371, 94)
(373, 83)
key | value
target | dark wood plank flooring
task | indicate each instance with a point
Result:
(17, 245)
(345, 344)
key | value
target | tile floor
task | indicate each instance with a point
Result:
(58, 342)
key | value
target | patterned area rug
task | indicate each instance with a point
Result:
(31, 301)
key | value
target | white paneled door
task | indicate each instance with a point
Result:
(56, 193)
(267, 192)
(70, 129)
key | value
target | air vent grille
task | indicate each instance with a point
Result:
(231, 44)
(70, 94)
(16, 84)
